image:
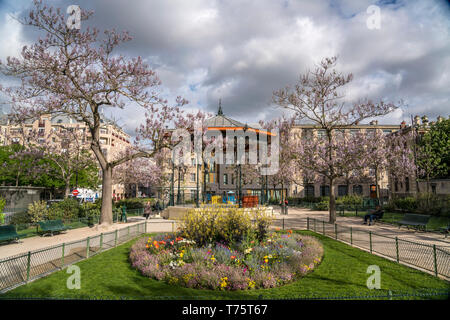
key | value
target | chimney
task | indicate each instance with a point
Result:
(416, 121)
(425, 120)
(403, 124)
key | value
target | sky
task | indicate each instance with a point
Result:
(241, 51)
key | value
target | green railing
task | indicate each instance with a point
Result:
(25, 267)
(432, 258)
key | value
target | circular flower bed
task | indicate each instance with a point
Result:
(248, 264)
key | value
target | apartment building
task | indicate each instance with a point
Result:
(112, 138)
(224, 179)
(410, 186)
(343, 186)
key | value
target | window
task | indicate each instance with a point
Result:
(306, 134)
(407, 184)
(386, 131)
(193, 177)
(433, 188)
(357, 189)
(232, 178)
(324, 191)
(309, 190)
(321, 133)
(354, 131)
(225, 178)
(342, 190)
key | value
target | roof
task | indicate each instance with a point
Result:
(223, 121)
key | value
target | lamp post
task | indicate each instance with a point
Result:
(240, 185)
(171, 197)
(197, 182)
(205, 172)
(179, 181)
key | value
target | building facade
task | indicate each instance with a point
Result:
(224, 180)
(113, 139)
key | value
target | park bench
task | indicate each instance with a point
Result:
(8, 233)
(50, 226)
(414, 220)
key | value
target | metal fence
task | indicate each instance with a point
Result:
(432, 258)
(25, 267)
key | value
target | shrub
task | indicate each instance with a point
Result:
(37, 211)
(134, 203)
(214, 224)
(405, 204)
(19, 218)
(68, 209)
(433, 204)
(2, 206)
(350, 200)
(324, 205)
(89, 209)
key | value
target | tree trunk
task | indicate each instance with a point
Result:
(332, 203)
(67, 190)
(106, 217)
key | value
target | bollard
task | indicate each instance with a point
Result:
(283, 223)
(115, 239)
(87, 247)
(101, 241)
(370, 240)
(435, 260)
(335, 230)
(28, 265)
(323, 227)
(62, 257)
(307, 223)
(351, 236)
(396, 249)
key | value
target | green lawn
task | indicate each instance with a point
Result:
(341, 273)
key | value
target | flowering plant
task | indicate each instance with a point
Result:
(240, 265)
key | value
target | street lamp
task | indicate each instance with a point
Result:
(205, 172)
(197, 178)
(172, 191)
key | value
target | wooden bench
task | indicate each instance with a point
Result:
(50, 226)
(414, 220)
(8, 233)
